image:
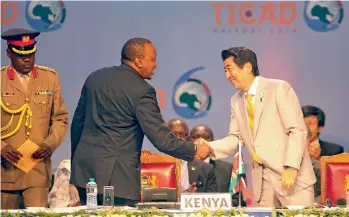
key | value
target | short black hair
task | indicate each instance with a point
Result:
(241, 56)
(134, 48)
(309, 110)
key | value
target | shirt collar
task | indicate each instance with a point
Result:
(253, 88)
(20, 74)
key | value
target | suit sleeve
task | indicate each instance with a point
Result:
(78, 121)
(59, 118)
(292, 118)
(228, 145)
(317, 171)
(330, 149)
(150, 119)
(211, 179)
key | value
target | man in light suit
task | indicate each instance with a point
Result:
(267, 115)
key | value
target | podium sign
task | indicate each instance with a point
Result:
(210, 201)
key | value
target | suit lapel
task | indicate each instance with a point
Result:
(193, 174)
(16, 83)
(32, 83)
(260, 98)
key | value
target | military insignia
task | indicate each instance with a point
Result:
(35, 73)
(8, 94)
(193, 168)
(10, 73)
(44, 92)
(25, 38)
(46, 68)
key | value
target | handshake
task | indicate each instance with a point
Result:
(203, 149)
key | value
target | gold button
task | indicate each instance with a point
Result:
(7, 104)
(43, 102)
(26, 99)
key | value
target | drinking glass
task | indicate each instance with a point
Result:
(108, 196)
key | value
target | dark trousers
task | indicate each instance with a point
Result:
(118, 201)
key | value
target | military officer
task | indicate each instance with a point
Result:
(32, 107)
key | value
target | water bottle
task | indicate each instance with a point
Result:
(91, 194)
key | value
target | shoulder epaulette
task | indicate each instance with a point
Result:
(46, 68)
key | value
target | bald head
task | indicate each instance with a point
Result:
(201, 131)
(178, 127)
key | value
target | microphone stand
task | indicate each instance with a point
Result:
(239, 150)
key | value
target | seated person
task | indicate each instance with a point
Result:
(315, 120)
(223, 169)
(196, 175)
(63, 194)
(316, 167)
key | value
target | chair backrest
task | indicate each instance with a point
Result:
(159, 170)
(333, 172)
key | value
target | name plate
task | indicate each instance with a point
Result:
(210, 201)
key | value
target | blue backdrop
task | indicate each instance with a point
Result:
(295, 41)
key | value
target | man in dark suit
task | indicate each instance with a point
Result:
(317, 171)
(196, 175)
(223, 169)
(116, 108)
(314, 118)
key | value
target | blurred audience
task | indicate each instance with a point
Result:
(314, 118)
(317, 170)
(196, 175)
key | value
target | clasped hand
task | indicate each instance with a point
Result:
(203, 149)
(11, 155)
(43, 152)
(192, 188)
(314, 150)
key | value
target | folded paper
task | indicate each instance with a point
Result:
(27, 162)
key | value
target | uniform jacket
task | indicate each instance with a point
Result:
(49, 123)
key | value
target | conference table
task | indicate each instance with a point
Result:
(82, 211)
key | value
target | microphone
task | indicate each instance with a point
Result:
(328, 203)
(199, 184)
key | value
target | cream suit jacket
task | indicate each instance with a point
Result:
(279, 135)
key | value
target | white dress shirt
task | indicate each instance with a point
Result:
(23, 78)
(253, 89)
(185, 175)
